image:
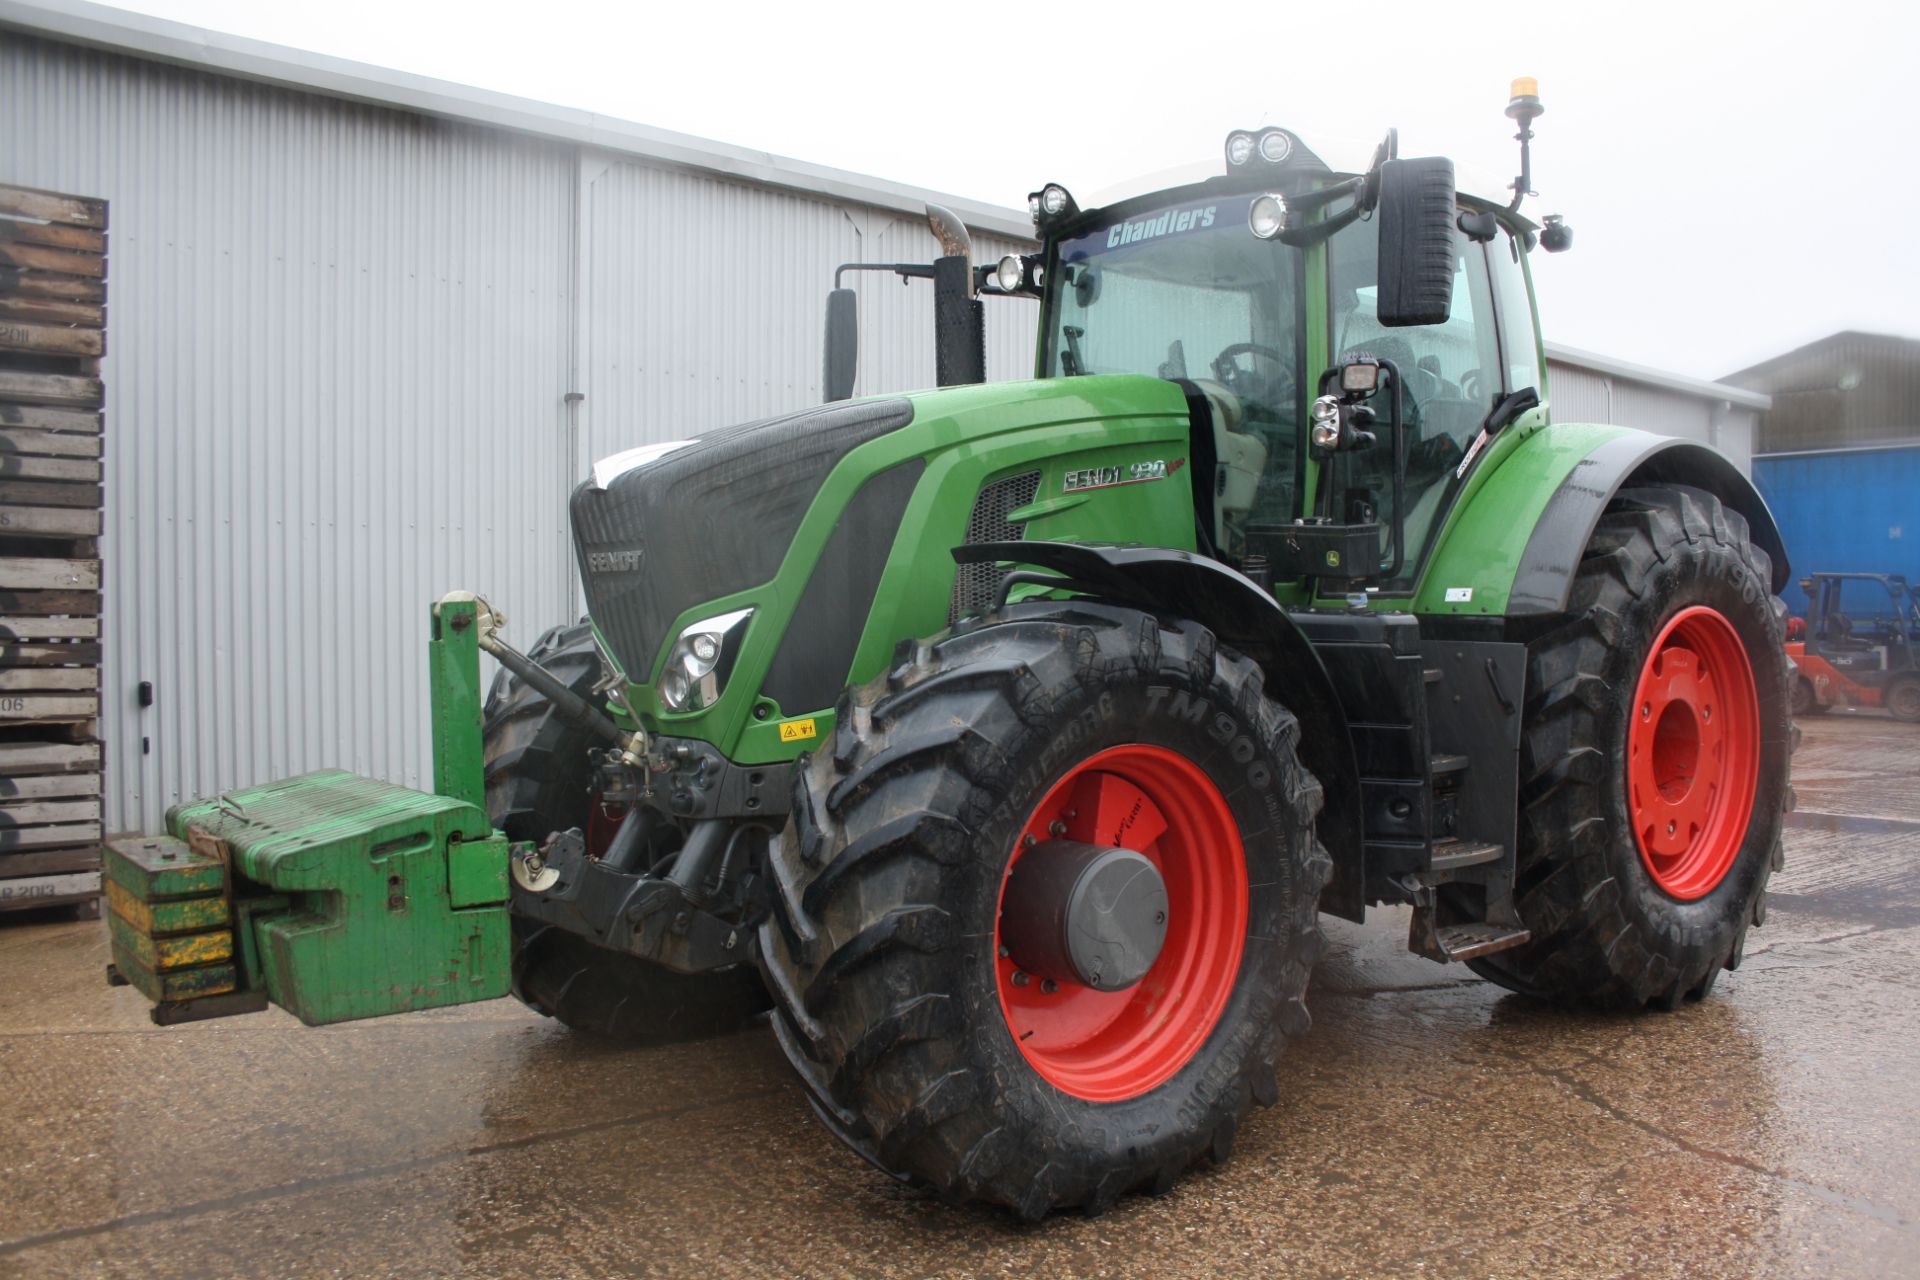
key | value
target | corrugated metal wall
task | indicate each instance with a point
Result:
(707, 302)
(339, 353)
(1847, 511)
(1846, 390)
(1579, 394)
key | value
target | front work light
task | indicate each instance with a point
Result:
(1267, 216)
(1011, 273)
(1051, 204)
(1326, 423)
(701, 660)
(1275, 146)
(1239, 148)
(1360, 376)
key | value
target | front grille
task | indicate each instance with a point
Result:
(976, 585)
(708, 520)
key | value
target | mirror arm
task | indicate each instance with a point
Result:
(1316, 232)
(905, 270)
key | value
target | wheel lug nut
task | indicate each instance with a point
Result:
(1669, 828)
(1049, 986)
(1030, 841)
(1004, 953)
(1646, 710)
(1057, 829)
(1020, 979)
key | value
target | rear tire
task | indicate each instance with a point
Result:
(909, 1025)
(539, 781)
(1625, 912)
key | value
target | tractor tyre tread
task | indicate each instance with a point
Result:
(862, 952)
(1603, 934)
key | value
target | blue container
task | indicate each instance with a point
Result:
(1845, 511)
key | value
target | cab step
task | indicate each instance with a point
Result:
(1452, 853)
(1479, 938)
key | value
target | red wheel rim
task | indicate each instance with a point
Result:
(1105, 1046)
(1693, 753)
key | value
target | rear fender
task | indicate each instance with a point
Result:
(1556, 485)
(1165, 580)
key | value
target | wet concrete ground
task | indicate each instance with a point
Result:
(1432, 1125)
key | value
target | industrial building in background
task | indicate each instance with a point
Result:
(368, 329)
(1838, 456)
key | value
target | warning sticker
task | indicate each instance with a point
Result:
(798, 730)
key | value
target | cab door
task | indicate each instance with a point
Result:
(1454, 374)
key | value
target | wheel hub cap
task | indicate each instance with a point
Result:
(1076, 912)
(1130, 833)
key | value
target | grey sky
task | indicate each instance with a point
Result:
(1741, 177)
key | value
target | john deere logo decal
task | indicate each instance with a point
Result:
(1127, 473)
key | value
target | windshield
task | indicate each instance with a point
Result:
(1185, 291)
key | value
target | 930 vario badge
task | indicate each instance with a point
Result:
(1084, 478)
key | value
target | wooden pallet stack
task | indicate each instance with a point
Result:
(53, 296)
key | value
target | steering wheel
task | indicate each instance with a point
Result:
(1246, 382)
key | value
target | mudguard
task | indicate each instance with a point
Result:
(1556, 484)
(1247, 618)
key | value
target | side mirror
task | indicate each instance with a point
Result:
(843, 344)
(1415, 208)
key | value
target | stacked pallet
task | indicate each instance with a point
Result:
(53, 295)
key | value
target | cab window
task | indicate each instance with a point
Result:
(1518, 341)
(1453, 374)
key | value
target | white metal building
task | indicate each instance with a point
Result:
(1585, 387)
(366, 329)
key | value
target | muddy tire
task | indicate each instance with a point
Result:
(923, 1044)
(539, 780)
(1648, 827)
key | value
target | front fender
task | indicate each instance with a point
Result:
(1168, 580)
(1514, 543)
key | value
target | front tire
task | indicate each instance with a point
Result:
(1802, 700)
(1654, 761)
(898, 1000)
(1903, 700)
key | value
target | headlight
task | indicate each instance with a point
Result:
(1011, 273)
(701, 660)
(1239, 148)
(1326, 422)
(1267, 216)
(1275, 146)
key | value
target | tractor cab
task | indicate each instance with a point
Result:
(1253, 290)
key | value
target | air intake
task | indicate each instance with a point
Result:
(976, 585)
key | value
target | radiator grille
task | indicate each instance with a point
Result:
(976, 585)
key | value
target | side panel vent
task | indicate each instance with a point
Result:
(976, 585)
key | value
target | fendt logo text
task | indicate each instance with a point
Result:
(613, 561)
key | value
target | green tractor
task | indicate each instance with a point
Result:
(1008, 741)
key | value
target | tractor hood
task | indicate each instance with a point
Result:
(663, 527)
